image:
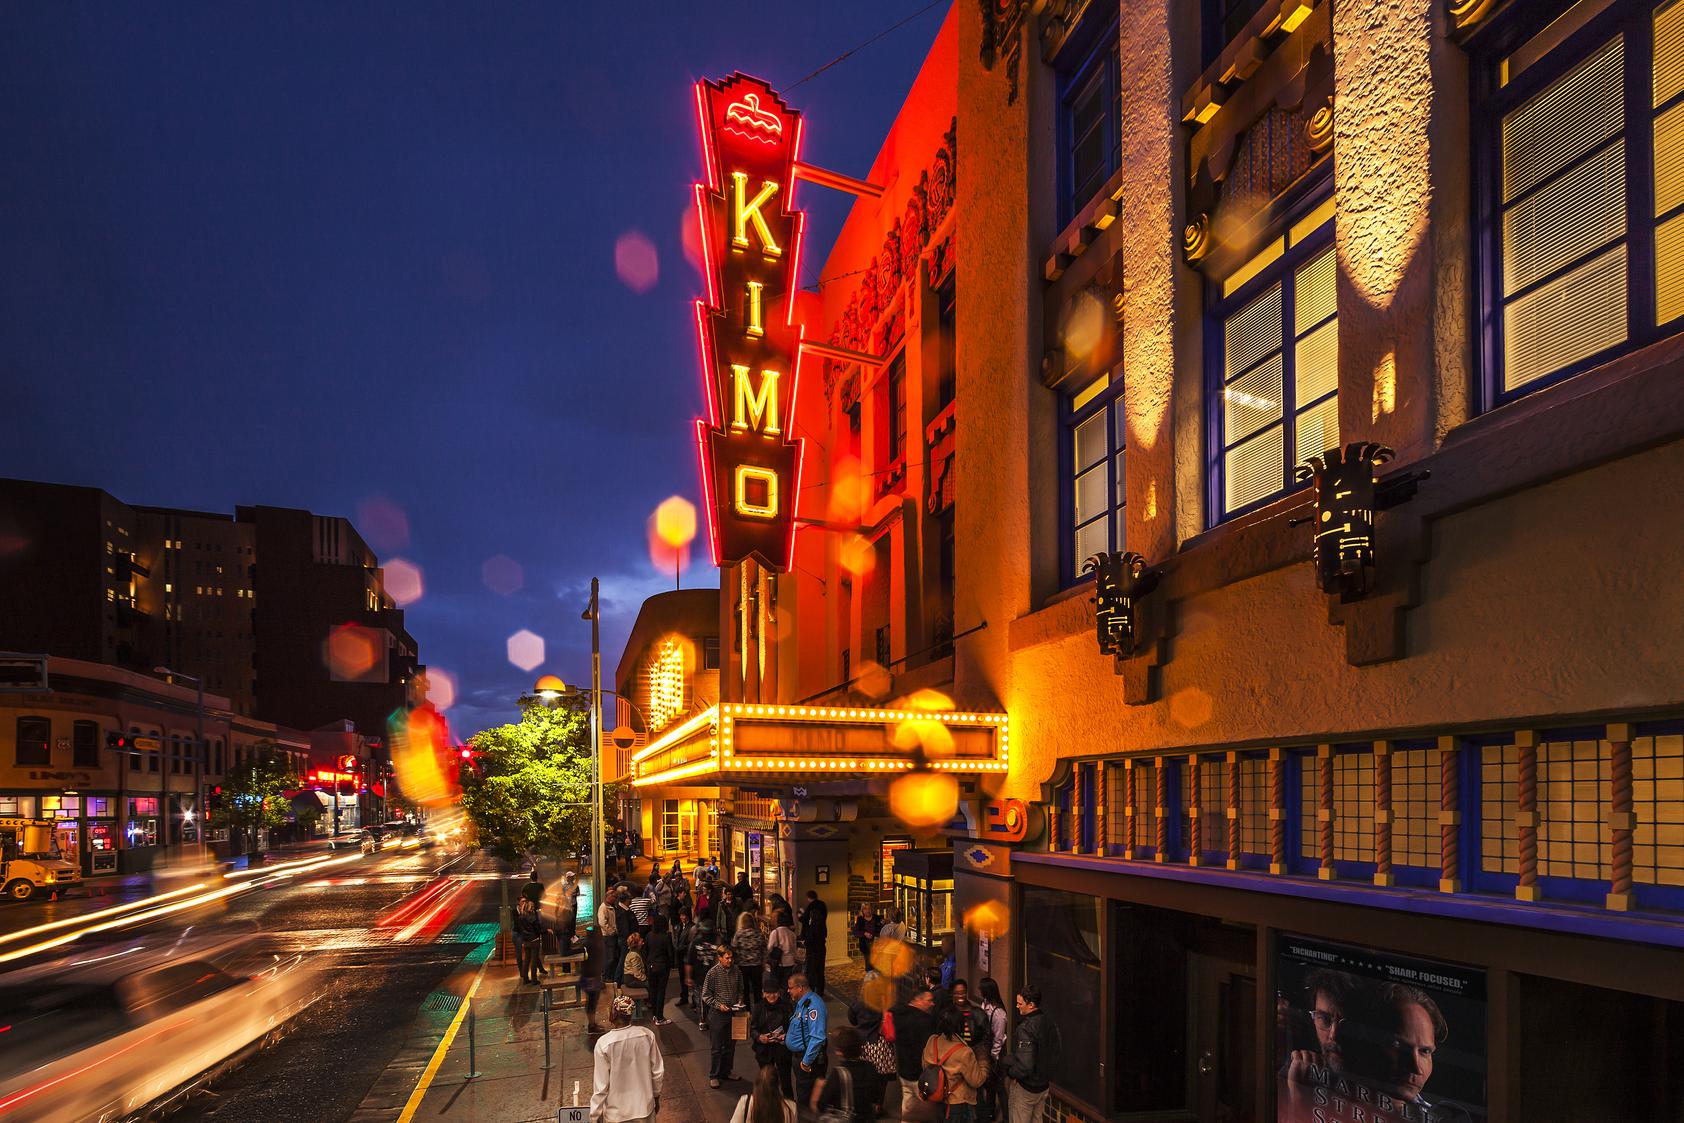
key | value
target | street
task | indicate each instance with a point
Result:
(375, 976)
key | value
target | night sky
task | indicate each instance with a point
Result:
(361, 258)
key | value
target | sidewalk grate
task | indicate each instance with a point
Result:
(440, 1003)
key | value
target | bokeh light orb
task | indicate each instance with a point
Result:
(858, 555)
(636, 261)
(1084, 327)
(873, 680)
(352, 651)
(675, 521)
(441, 688)
(892, 959)
(502, 575)
(404, 583)
(382, 523)
(878, 990)
(989, 918)
(526, 650)
(924, 798)
(850, 490)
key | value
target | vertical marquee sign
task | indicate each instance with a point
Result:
(750, 343)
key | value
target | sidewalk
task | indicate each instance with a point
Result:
(513, 1086)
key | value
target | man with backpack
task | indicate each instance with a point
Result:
(1032, 1058)
(910, 1026)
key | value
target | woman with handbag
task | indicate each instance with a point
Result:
(852, 1091)
(780, 949)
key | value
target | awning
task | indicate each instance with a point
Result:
(736, 743)
(311, 800)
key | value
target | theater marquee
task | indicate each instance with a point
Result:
(750, 344)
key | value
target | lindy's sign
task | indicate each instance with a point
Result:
(751, 249)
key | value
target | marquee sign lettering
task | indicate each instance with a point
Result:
(750, 344)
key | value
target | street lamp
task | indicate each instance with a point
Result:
(198, 754)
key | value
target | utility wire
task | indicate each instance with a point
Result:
(862, 46)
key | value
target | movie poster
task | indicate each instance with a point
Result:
(1366, 1036)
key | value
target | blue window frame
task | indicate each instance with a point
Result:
(1579, 159)
(1273, 385)
(1222, 20)
(1089, 118)
(1092, 473)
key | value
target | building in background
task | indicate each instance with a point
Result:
(118, 809)
(668, 671)
(283, 614)
(332, 643)
(1202, 244)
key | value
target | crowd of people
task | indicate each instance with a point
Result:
(752, 973)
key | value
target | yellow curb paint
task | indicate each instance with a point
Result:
(432, 1069)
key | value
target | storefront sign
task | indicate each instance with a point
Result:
(750, 345)
(1372, 1036)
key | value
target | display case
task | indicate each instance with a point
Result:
(923, 891)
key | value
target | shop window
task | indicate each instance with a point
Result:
(1255, 801)
(84, 744)
(1353, 806)
(669, 825)
(1089, 117)
(1214, 824)
(1581, 111)
(1116, 806)
(35, 740)
(1092, 479)
(1499, 786)
(1145, 810)
(1061, 956)
(1573, 781)
(1416, 796)
(1657, 788)
(1063, 810)
(1274, 386)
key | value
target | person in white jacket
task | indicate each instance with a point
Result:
(629, 1070)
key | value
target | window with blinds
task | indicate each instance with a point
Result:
(1093, 479)
(1588, 178)
(1277, 402)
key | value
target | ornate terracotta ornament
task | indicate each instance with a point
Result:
(1120, 580)
(1318, 130)
(1002, 20)
(1464, 14)
(1195, 239)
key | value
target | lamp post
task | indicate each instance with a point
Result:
(198, 753)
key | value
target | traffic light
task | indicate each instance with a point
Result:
(119, 742)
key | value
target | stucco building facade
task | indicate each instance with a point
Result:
(1199, 245)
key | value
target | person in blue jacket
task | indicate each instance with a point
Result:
(806, 1038)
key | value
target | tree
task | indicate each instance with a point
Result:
(527, 786)
(254, 792)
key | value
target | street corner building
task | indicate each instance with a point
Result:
(147, 652)
(1301, 586)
